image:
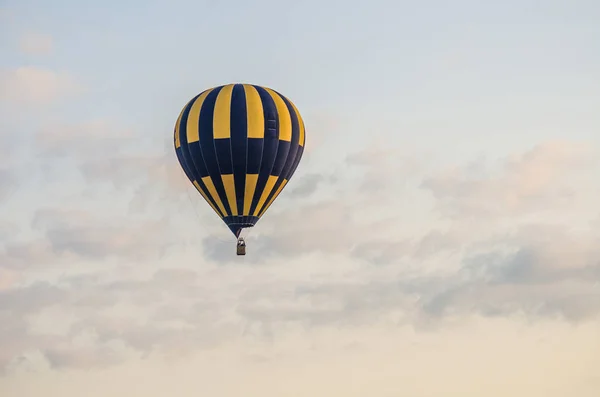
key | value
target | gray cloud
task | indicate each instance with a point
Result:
(30, 299)
(79, 234)
(489, 284)
(8, 183)
(175, 313)
(332, 228)
(15, 307)
(81, 358)
(7, 229)
(542, 274)
(177, 310)
(8, 179)
(537, 181)
(21, 255)
(326, 227)
(308, 184)
(387, 251)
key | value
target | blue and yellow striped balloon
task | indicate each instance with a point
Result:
(239, 144)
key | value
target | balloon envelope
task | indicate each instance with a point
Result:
(239, 145)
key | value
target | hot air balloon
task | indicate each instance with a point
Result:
(239, 145)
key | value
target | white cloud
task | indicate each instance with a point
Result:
(479, 357)
(8, 278)
(538, 181)
(83, 140)
(31, 85)
(36, 44)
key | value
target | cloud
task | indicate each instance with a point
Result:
(537, 181)
(36, 44)
(385, 167)
(434, 243)
(363, 210)
(105, 152)
(179, 310)
(8, 170)
(334, 261)
(90, 141)
(308, 184)
(8, 278)
(330, 227)
(323, 127)
(539, 269)
(490, 283)
(30, 85)
(172, 313)
(8, 183)
(332, 213)
(72, 234)
(14, 304)
(82, 358)
(154, 176)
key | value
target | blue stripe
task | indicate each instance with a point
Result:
(239, 138)
(255, 149)
(223, 153)
(282, 154)
(183, 164)
(296, 162)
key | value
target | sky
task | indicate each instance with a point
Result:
(441, 236)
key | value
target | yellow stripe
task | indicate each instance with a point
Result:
(251, 180)
(193, 127)
(301, 122)
(213, 193)
(285, 120)
(265, 193)
(206, 198)
(222, 113)
(230, 191)
(274, 197)
(254, 112)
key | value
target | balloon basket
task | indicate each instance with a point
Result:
(241, 247)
